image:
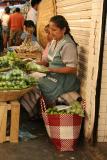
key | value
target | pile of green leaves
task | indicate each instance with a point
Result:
(11, 60)
(15, 79)
(18, 63)
(74, 108)
(7, 60)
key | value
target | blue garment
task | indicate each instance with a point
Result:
(24, 35)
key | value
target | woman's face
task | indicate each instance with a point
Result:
(56, 32)
(30, 30)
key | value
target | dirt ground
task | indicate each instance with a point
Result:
(41, 148)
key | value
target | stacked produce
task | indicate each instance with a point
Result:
(74, 108)
(6, 61)
(18, 63)
(4, 65)
(13, 72)
(15, 79)
(11, 60)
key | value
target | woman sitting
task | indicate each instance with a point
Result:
(62, 64)
(62, 60)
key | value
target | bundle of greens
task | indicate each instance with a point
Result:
(18, 63)
(74, 108)
(16, 79)
(6, 62)
(10, 61)
(32, 66)
(4, 66)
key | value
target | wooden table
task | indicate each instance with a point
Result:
(14, 108)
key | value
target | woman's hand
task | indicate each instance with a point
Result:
(42, 63)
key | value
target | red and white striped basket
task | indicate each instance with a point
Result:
(63, 129)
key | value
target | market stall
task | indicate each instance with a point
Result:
(14, 83)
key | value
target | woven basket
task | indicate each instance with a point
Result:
(9, 95)
(34, 55)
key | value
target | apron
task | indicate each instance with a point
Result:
(54, 85)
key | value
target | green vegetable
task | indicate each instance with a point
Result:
(16, 79)
(31, 66)
(74, 108)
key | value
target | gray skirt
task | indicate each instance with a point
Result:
(53, 85)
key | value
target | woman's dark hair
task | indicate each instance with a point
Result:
(62, 23)
(29, 23)
(34, 2)
(7, 10)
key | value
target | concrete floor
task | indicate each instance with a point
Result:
(41, 148)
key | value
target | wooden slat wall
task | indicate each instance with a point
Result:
(102, 125)
(85, 19)
(46, 10)
(93, 64)
(78, 14)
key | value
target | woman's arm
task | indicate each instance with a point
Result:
(64, 70)
(69, 58)
(43, 63)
